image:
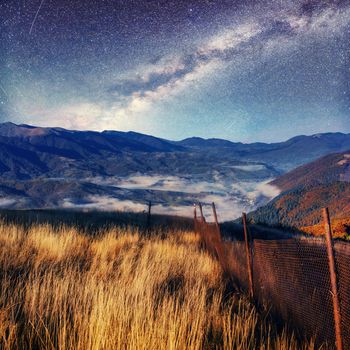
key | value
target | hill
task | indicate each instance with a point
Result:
(308, 189)
(302, 206)
(53, 167)
(333, 167)
(285, 155)
(29, 151)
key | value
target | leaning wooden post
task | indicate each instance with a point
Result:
(195, 217)
(201, 211)
(219, 245)
(248, 255)
(215, 215)
(149, 215)
(333, 277)
(203, 227)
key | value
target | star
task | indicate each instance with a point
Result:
(232, 69)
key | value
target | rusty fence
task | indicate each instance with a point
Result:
(306, 281)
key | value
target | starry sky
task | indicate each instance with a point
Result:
(241, 70)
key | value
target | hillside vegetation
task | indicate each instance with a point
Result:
(61, 289)
(340, 228)
(302, 206)
(325, 170)
(305, 191)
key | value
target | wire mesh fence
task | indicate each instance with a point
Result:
(292, 276)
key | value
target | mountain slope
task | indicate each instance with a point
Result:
(308, 189)
(50, 167)
(302, 149)
(302, 206)
(285, 156)
(29, 151)
(53, 167)
(333, 167)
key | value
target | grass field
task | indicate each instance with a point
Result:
(119, 289)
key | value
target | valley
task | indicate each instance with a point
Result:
(110, 170)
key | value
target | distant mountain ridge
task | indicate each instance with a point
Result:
(34, 161)
(68, 143)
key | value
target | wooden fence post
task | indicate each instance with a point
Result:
(195, 217)
(219, 244)
(215, 215)
(149, 215)
(201, 211)
(248, 253)
(333, 278)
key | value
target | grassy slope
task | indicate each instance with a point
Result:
(119, 290)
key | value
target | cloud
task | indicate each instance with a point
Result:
(264, 189)
(7, 202)
(249, 167)
(11, 202)
(103, 203)
(231, 198)
(107, 203)
(163, 183)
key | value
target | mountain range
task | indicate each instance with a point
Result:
(54, 167)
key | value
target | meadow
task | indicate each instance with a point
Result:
(62, 288)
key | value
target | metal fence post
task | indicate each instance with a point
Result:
(248, 255)
(333, 278)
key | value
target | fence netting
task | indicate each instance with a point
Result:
(291, 276)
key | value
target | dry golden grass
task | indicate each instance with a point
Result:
(63, 290)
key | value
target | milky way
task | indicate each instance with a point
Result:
(241, 70)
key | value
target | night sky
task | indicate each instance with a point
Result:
(240, 70)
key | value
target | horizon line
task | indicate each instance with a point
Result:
(172, 140)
